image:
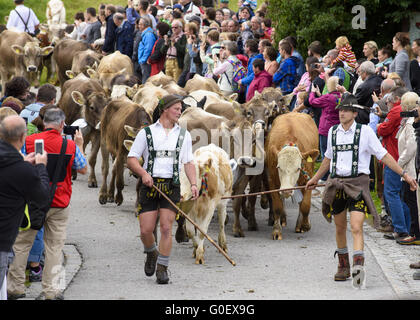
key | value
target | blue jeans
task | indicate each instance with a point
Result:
(37, 248)
(399, 211)
(323, 147)
(146, 69)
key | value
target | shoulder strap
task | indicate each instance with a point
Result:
(57, 169)
(27, 21)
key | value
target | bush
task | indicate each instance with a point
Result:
(310, 20)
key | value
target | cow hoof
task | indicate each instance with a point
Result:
(110, 199)
(102, 200)
(239, 234)
(264, 202)
(199, 261)
(276, 235)
(303, 228)
(92, 184)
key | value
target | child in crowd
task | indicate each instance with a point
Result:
(346, 55)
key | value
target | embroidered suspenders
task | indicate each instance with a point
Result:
(354, 147)
(164, 154)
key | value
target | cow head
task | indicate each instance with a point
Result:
(279, 102)
(290, 163)
(258, 111)
(92, 105)
(104, 78)
(31, 54)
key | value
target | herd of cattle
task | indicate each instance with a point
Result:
(101, 91)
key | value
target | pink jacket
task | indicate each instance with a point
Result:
(260, 81)
(329, 116)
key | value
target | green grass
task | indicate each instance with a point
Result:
(72, 6)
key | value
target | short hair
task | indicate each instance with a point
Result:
(397, 92)
(46, 93)
(121, 10)
(176, 14)
(163, 28)
(387, 50)
(272, 53)
(146, 21)
(387, 85)
(315, 47)
(292, 40)
(79, 16)
(252, 44)
(192, 27)
(7, 111)
(12, 133)
(111, 8)
(54, 116)
(118, 16)
(258, 63)
(19, 1)
(332, 83)
(287, 47)
(91, 11)
(213, 35)
(333, 53)
(144, 4)
(266, 43)
(267, 22)
(16, 86)
(367, 67)
(211, 13)
(410, 101)
(341, 41)
(231, 46)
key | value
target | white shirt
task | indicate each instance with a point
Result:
(162, 167)
(369, 145)
(16, 24)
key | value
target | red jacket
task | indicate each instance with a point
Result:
(260, 81)
(52, 145)
(388, 131)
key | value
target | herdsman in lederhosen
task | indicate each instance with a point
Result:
(349, 149)
(164, 147)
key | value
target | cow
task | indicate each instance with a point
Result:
(82, 61)
(118, 116)
(291, 148)
(201, 83)
(20, 56)
(148, 96)
(212, 97)
(214, 180)
(83, 97)
(63, 55)
(160, 79)
(110, 66)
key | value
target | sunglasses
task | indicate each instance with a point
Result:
(223, 48)
(175, 27)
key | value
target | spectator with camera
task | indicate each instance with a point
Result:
(193, 48)
(56, 219)
(157, 58)
(385, 59)
(174, 49)
(23, 180)
(207, 57)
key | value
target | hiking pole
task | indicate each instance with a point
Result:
(269, 191)
(196, 226)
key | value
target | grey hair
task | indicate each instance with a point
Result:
(118, 16)
(231, 46)
(146, 21)
(387, 85)
(11, 132)
(333, 53)
(368, 67)
(54, 116)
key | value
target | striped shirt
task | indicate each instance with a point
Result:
(348, 56)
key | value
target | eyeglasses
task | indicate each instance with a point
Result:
(175, 27)
(222, 48)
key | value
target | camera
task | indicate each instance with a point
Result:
(409, 114)
(39, 146)
(169, 33)
(70, 130)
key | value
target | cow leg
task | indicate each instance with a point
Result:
(239, 188)
(266, 187)
(191, 231)
(105, 170)
(95, 138)
(278, 211)
(255, 186)
(206, 212)
(181, 233)
(221, 213)
(303, 224)
(119, 164)
(111, 188)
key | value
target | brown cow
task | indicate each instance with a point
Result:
(110, 66)
(148, 97)
(63, 55)
(82, 61)
(118, 114)
(20, 56)
(83, 97)
(201, 83)
(291, 148)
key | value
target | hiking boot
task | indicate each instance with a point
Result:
(15, 296)
(415, 265)
(358, 272)
(391, 236)
(150, 264)
(57, 296)
(416, 275)
(386, 229)
(343, 271)
(162, 274)
(35, 274)
(405, 240)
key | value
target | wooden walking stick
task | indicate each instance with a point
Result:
(196, 226)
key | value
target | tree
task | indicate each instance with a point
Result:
(326, 20)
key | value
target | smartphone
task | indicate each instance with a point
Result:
(39, 146)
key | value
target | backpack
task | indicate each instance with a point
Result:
(239, 73)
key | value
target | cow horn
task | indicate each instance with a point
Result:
(98, 126)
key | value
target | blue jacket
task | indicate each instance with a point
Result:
(301, 67)
(285, 77)
(124, 38)
(246, 81)
(148, 40)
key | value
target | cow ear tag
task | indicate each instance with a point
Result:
(17, 50)
(70, 76)
(309, 159)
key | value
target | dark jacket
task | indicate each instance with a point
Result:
(416, 126)
(124, 38)
(109, 44)
(180, 46)
(364, 96)
(21, 183)
(415, 75)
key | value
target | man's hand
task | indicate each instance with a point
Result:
(194, 192)
(375, 97)
(30, 158)
(147, 180)
(411, 181)
(41, 158)
(311, 184)
(341, 89)
(378, 111)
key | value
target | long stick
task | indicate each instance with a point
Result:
(269, 191)
(195, 225)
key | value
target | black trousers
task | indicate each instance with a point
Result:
(410, 198)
